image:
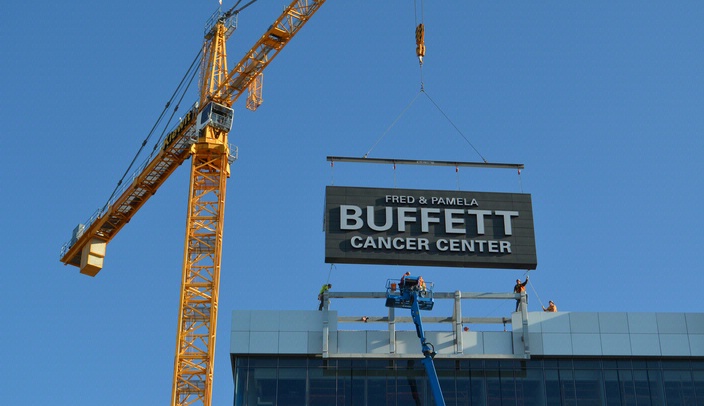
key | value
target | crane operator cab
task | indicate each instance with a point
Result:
(401, 293)
(215, 115)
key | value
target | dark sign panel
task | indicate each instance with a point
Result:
(429, 227)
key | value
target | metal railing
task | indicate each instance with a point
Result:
(457, 320)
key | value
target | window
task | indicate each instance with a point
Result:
(300, 381)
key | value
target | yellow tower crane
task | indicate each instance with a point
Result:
(202, 136)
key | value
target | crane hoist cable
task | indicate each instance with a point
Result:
(192, 72)
(234, 10)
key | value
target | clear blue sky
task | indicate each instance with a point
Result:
(602, 101)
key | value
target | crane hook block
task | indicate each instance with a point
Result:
(420, 42)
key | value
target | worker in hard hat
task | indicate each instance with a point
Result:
(321, 295)
(520, 288)
(403, 280)
(421, 283)
(551, 307)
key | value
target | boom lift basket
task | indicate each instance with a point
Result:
(400, 294)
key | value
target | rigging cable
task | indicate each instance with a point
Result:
(535, 291)
(441, 112)
(453, 124)
(520, 181)
(457, 175)
(156, 124)
(332, 173)
(392, 124)
(420, 52)
(329, 272)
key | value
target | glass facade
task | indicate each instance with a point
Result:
(312, 381)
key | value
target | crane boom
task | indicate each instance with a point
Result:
(203, 136)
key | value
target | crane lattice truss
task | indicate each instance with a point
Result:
(209, 151)
(193, 369)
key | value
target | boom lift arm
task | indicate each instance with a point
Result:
(417, 295)
(201, 135)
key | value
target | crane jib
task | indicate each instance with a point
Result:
(88, 239)
(184, 124)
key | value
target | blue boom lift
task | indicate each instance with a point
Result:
(413, 293)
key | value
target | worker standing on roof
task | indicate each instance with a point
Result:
(520, 288)
(551, 307)
(321, 295)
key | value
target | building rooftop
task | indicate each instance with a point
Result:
(298, 332)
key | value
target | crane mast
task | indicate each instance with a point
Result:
(197, 320)
(195, 346)
(201, 135)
